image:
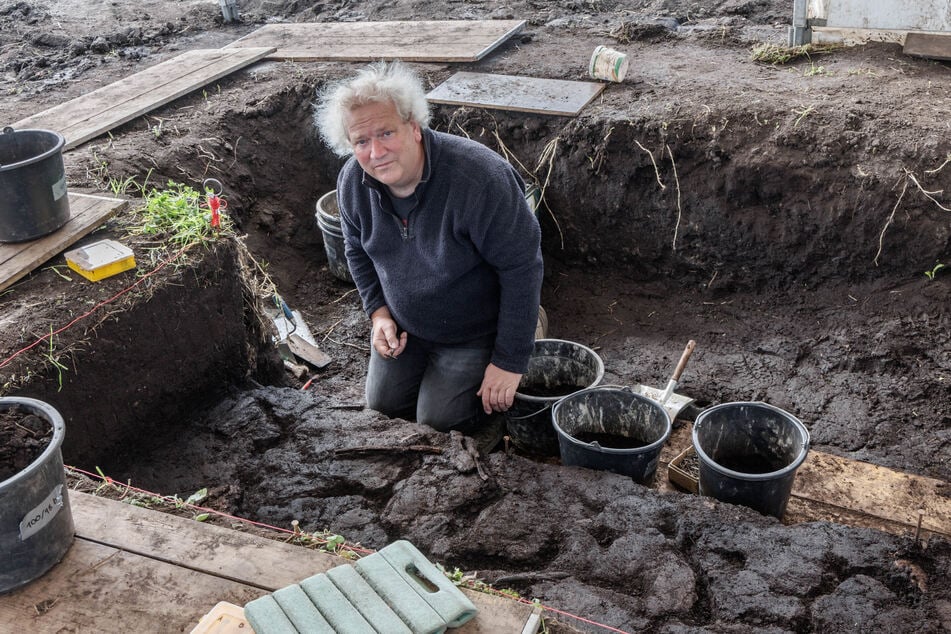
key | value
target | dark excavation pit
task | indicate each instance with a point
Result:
(766, 214)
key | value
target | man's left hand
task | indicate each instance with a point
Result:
(498, 389)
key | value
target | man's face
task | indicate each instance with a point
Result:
(387, 148)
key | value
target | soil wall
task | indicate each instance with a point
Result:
(138, 376)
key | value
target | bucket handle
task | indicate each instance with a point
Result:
(536, 413)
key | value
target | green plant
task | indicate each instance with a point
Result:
(175, 214)
(53, 360)
(937, 267)
(197, 497)
(100, 172)
(815, 70)
(56, 269)
(334, 543)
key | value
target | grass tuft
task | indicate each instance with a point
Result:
(176, 215)
(775, 54)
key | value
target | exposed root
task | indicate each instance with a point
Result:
(387, 449)
(548, 156)
(654, 163)
(679, 206)
(940, 167)
(930, 195)
(881, 236)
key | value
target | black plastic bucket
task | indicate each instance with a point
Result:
(36, 524)
(556, 368)
(749, 453)
(33, 197)
(611, 429)
(328, 220)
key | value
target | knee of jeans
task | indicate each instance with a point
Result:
(445, 421)
(387, 406)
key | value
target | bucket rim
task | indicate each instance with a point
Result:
(668, 429)
(53, 417)
(331, 229)
(528, 398)
(319, 206)
(56, 149)
(739, 475)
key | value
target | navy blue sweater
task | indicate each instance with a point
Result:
(466, 267)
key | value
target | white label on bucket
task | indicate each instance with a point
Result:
(43, 514)
(59, 188)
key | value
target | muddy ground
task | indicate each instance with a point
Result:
(784, 217)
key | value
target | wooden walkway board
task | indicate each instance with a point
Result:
(87, 212)
(423, 41)
(98, 588)
(524, 94)
(874, 490)
(101, 110)
(930, 45)
(135, 570)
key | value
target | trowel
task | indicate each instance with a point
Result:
(672, 402)
(294, 339)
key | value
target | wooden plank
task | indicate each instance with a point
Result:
(877, 491)
(87, 213)
(411, 41)
(97, 588)
(522, 94)
(247, 559)
(930, 45)
(101, 110)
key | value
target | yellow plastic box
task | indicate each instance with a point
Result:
(100, 260)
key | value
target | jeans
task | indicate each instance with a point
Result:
(434, 384)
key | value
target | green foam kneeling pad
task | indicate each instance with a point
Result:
(267, 617)
(399, 595)
(422, 575)
(334, 606)
(365, 599)
(301, 611)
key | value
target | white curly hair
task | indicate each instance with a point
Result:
(379, 82)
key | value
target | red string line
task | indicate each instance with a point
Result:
(96, 307)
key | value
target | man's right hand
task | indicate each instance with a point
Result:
(384, 339)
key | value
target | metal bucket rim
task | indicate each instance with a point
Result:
(56, 149)
(613, 450)
(751, 477)
(553, 399)
(53, 417)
